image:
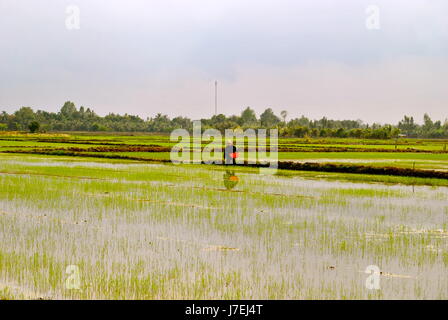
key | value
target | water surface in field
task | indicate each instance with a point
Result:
(173, 231)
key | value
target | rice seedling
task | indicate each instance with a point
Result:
(161, 231)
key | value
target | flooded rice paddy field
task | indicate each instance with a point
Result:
(153, 231)
(421, 154)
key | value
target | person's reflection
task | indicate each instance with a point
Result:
(230, 180)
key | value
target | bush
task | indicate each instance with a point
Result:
(34, 126)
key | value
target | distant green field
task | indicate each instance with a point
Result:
(112, 138)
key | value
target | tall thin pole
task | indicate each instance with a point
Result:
(216, 98)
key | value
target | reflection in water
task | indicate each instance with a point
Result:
(230, 180)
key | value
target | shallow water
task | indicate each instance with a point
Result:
(163, 231)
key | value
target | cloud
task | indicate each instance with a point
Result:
(144, 57)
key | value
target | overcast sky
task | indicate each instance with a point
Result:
(315, 57)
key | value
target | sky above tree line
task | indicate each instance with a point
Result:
(315, 58)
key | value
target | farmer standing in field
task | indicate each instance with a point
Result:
(230, 179)
(230, 153)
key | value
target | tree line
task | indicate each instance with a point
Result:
(70, 118)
